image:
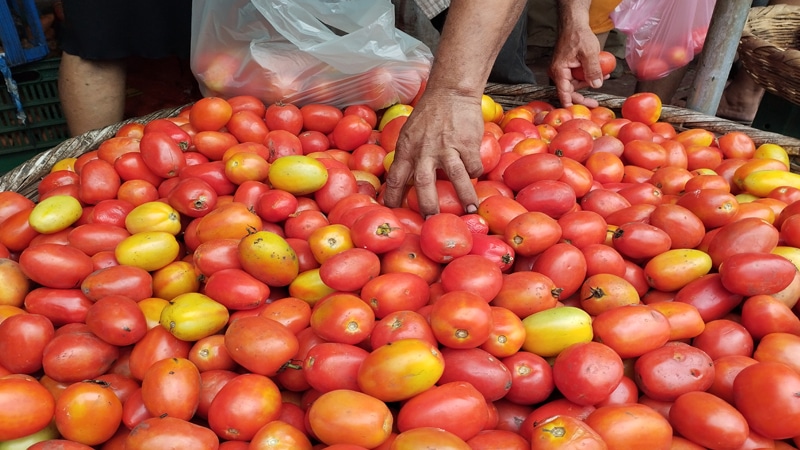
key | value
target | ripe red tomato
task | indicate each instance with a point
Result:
(116, 319)
(163, 432)
(642, 107)
(531, 378)
(378, 230)
(607, 62)
(473, 273)
(479, 368)
(759, 388)
(88, 412)
(755, 273)
(395, 291)
(456, 407)
(631, 425)
(243, 405)
(587, 373)
(342, 317)
(444, 237)
(87, 356)
(676, 368)
(171, 387)
(27, 406)
(158, 343)
(707, 420)
(210, 114)
(320, 117)
(461, 319)
(350, 417)
(260, 344)
(563, 431)
(631, 330)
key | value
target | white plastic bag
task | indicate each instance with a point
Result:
(662, 35)
(338, 52)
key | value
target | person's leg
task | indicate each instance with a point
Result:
(92, 93)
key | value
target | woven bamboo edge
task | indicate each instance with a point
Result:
(769, 51)
(681, 118)
(25, 178)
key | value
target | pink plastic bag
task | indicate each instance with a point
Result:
(662, 35)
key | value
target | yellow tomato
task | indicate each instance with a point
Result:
(153, 216)
(393, 111)
(388, 160)
(148, 250)
(308, 286)
(268, 257)
(550, 331)
(55, 213)
(761, 183)
(674, 269)
(64, 164)
(14, 284)
(790, 253)
(329, 240)
(488, 108)
(193, 316)
(177, 277)
(298, 174)
(745, 197)
(772, 151)
(400, 370)
(363, 175)
(152, 307)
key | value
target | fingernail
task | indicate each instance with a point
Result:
(597, 83)
(472, 209)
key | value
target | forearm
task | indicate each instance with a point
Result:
(573, 13)
(470, 41)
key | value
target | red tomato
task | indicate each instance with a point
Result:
(676, 368)
(563, 431)
(473, 273)
(210, 114)
(284, 116)
(171, 387)
(708, 420)
(157, 344)
(642, 107)
(350, 417)
(442, 439)
(531, 378)
(132, 282)
(236, 289)
(723, 337)
(163, 432)
(639, 241)
(709, 296)
(396, 291)
(603, 259)
(332, 365)
(27, 407)
(604, 291)
(526, 292)
(565, 265)
(87, 355)
(726, 368)
(320, 117)
(244, 405)
(61, 306)
(116, 319)
(88, 412)
(342, 317)
(378, 230)
(161, 154)
(456, 407)
(192, 197)
(764, 314)
(444, 237)
(631, 425)
(461, 319)
(581, 228)
(98, 181)
(350, 132)
(763, 387)
(586, 373)
(479, 368)
(755, 273)
(631, 330)
(259, 344)
(533, 167)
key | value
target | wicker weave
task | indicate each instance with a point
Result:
(25, 178)
(770, 49)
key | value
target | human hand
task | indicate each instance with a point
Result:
(444, 132)
(576, 47)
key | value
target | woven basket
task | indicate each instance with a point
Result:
(770, 49)
(25, 178)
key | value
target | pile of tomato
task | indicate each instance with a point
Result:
(230, 278)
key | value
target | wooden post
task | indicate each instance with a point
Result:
(718, 54)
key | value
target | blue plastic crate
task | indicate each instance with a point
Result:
(21, 34)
